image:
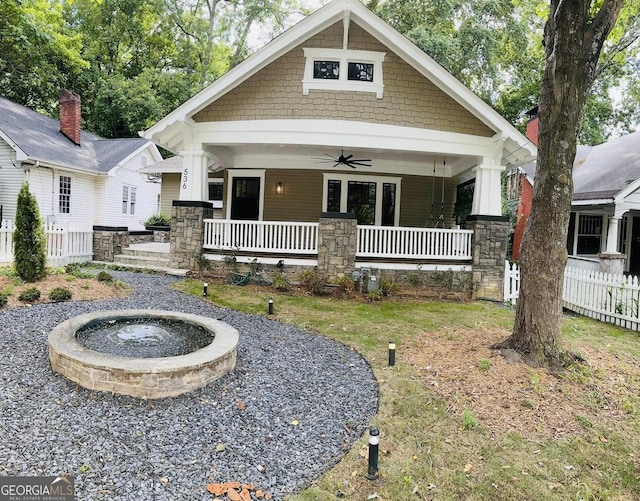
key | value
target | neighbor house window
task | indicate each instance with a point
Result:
(216, 189)
(64, 201)
(584, 234)
(589, 234)
(340, 69)
(373, 199)
(128, 199)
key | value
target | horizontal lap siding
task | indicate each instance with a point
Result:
(146, 195)
(11, 178)
(83, 195)
(416, 199)
(409, 99)
(170, 192)
(302, 197)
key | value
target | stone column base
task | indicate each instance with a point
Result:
(187, 232)
(611, 262)
(337, 235)
(490, 240)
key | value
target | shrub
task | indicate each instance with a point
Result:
(280, 282)
(312, 282)
(29, 295)
(388, 288)
(346, 285)
(158, 219)
(29, 240)
(3, 300)
(60, 294)
(103, 276)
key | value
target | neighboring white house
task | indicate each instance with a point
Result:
(74, 175)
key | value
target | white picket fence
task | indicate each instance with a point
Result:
(67, 242)
(606, 297)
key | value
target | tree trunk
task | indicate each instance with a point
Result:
(573, 40)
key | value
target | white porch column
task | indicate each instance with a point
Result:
(487, 194)
(193, 183)
(612, 234)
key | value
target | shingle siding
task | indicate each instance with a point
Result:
(409, 98)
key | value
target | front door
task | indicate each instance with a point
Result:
(634, 248)
(245, 198)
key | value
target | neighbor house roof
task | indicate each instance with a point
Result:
(609, 170)
(37, 137)
(170, 165)
(606, 171)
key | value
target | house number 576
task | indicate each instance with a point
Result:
(185, 178)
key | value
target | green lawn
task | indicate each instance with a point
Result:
(427, 451)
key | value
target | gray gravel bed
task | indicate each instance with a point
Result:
(122, 448)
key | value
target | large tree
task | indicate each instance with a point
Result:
(574, 35)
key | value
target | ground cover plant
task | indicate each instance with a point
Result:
(79, 284)
(456, 420)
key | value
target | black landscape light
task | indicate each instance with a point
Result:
(374, 440)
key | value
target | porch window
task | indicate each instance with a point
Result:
(589, 234)
(128, 199)
(373, 199)
(64, 200)
(333, 195)
(388, 204)
(361, 201)
(216, 189)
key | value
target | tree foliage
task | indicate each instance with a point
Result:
(29, 240)
(495, 48)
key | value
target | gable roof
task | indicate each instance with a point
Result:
(516, 146)
(38, 137)
(609, 170)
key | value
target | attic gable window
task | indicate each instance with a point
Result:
(340, 69)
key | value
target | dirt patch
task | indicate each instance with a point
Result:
(82, 289)
(460, 367)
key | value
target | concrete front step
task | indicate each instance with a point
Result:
(142, 265)
(141, 260)
(133, 252)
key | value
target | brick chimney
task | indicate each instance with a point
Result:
(532, 126)
(69, 103)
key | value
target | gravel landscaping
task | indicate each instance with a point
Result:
(294, 405)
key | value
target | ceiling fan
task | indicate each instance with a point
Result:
(348, 160)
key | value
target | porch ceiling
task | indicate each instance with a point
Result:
(291, 156)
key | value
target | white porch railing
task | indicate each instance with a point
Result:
(606, 297)
(414, 243)
(67, 242)
(372, 241)
(583, 263)
(261, 236)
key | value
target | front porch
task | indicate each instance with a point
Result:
(338, 246)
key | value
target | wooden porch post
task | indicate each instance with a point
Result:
(194, 177)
